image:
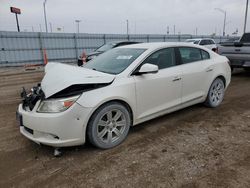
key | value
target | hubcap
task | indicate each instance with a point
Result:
(217, 93)
(111, 126)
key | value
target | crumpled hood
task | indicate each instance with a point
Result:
(60, 76)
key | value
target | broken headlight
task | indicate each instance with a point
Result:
(56, 105)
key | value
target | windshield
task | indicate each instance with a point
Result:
(114, 61)
(105, 47)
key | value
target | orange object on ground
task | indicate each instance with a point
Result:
(45, 59)
(84, 57)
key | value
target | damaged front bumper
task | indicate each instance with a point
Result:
(54, 129)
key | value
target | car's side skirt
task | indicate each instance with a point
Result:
(172, 109)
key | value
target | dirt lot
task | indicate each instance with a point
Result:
(194, 147)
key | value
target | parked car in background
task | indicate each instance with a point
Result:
(237, 52)
(232, 39)
(206, 42)
(87, 57)
(123, 87)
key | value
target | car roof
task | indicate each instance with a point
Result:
(120, 42)
(155, 45)
(201, 39)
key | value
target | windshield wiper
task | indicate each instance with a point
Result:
(102, 71)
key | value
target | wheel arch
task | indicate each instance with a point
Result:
(222, 78)
(218, 76)
(122, 102)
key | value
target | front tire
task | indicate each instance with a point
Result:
(216, 93)
(109, 125)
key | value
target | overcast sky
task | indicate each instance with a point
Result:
(109, 16)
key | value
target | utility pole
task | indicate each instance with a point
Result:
(127, 27)
(18, 28)
(174, 29)
(225, 18)
(196, 31)
(77, 23)
(50, 24)
(40, 26)
(245, 23)
(135, 27)
(224, 25)
(167, 30)
(45, 17)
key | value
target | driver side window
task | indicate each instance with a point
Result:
(163, 58)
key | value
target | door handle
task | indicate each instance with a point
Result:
(209, 69)
(177, 78)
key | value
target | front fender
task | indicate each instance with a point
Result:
(123, 90)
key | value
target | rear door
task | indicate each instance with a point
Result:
(197, 69)
(162, 90)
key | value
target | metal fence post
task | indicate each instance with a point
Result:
(75, 42)
(41, 46)
(104, 39)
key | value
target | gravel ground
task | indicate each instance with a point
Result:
(194, 147)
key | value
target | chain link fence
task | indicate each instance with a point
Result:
(22, 48)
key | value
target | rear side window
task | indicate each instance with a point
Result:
(189, 55)
(205, 55)
(163, 58)
(212, 42)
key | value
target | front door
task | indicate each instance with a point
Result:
(162, 90)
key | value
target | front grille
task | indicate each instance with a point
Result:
(29, 130)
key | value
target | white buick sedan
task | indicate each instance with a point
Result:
(119, 89)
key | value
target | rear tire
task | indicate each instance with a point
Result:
(216, 93)
(109, 125)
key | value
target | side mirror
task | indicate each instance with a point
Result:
(148, 68)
